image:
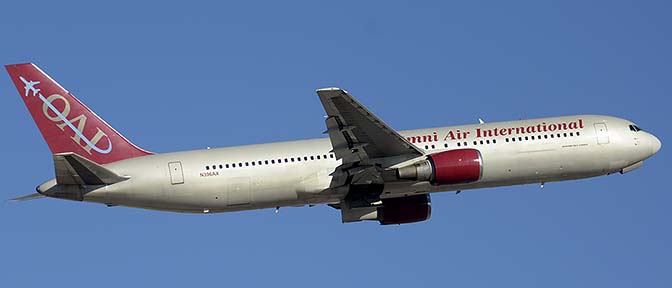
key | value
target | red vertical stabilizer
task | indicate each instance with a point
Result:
(66, 123)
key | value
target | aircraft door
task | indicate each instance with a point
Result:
(602, 133)
(238, 191)
(176, 174)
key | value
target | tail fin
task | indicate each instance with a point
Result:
(66, 123)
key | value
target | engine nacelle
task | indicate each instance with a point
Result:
(401, 210)
(445, 168)
(404, 210)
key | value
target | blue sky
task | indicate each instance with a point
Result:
(196, 74)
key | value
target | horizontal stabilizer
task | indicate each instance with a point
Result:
(72, 169)
(28, 197)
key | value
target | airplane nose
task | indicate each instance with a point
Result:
(655, 145)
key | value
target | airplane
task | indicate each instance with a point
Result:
(364, 168)
(30, 86)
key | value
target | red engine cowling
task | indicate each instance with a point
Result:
(456, 166)
(445, 168)
(405, 210)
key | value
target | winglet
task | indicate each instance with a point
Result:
(72, 169)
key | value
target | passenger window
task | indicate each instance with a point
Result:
(227, 166)
(286, 160)
(458, 144)
(318, 157)
(494, 141)
(247, 163)
(571, 134)
(481, 142)
(207, 167)
(266, 162)
(312, 157)
(433, 147)
(526, 138)
(252, 163)
(507, 140)
(475, 142)
(545, 136)
(221, 166)
(565, 134)
(445, 145)
(487, 141)
(577, 133)
(298, 159)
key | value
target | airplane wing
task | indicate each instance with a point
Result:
(358, 135)
(363, 142)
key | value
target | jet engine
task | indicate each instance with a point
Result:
(446, 168)
(401, 210)
(404, 210)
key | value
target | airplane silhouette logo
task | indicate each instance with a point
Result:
(30, 86)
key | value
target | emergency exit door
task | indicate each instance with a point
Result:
(602, 133)
(176, 175)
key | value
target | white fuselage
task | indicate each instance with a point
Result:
(300, 172)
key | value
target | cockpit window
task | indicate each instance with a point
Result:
(634, 128)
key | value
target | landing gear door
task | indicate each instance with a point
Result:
(176, 174)
(601, 133)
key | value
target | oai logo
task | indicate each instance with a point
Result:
(62, 121)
